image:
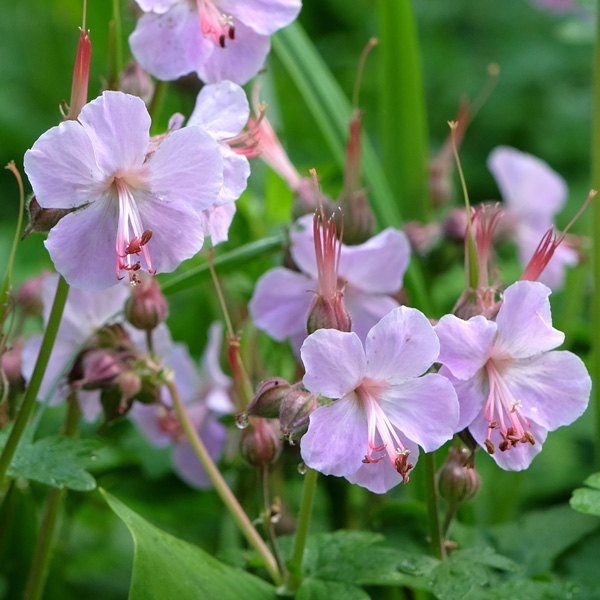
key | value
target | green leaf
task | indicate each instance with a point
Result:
(587, 500)
(167, 567)
(402, 118)
(56, 461)
(316, 589)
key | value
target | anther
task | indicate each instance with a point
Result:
(231, 33)
(222, 41)
(489, 446)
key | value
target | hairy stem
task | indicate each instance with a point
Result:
(435, 529)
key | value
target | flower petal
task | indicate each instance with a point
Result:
(222, 109)
(62, 168)
(528, 185)
(216, 222)
(239, 61)
(169, 45)
(553, 388)
(176, 232)
(236, 170)
(89, 404)
(82, 246)
(119, 126)
(146, 419)
(401, 346)
(513, 459)
(465, 345)
(366, 310)
(263, 16)
(187, 167)
(472, 395)
(157, 6)
(380, 477)
(335, 362)
(525, 322)
(424, 409)
(336, 440)
(281, 302)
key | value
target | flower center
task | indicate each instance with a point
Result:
(218, 26)
(131, 236)
(378, 423)
(503, 413)
(169, 424)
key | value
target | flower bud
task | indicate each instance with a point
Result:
(458, 481)
(42, 220)
(295, 412)
(81, 76)
(96, 369)
(30, 296)
(11, 362)
(328, 313)
(135, 80)
(268, 398)
(146, 307)
(260, 443)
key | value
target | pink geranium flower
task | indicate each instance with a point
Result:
(533, 194)
(282, 298)
(512, 387)
(206, 396)
(133, 211)
(370, 435)
(219, 39)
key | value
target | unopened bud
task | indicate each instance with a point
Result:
(30, 296)
(328, 313)
(458, 482)
(295, 413)
(359, 218)
(81, 76)
(146, 307)
(268, 398)
(260, 443)
(112, 337)
(135, 80)
(11, 362)
(422, 238)
(96, 369)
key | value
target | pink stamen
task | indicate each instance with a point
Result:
(485, 222)
(131, 236)
(215, 24)
(328, 252)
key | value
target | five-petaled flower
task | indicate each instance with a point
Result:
(219, 39)
(512, 388)
(384, 409)
(133, 211)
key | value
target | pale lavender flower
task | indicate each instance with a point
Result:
(84, 313)
(372, 270)
(512, 387)
(219, 39)
(385, 410)
(133, 211)
(206, 396)
(533, 194)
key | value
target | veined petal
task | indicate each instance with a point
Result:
(366, 310)
(471, 394)
(187, 167)
(381, 477)
(82, 246)
(335, 362)
(157, 6)
(236, 170)
(281, 302)
(239, 61)
(528, 185)
(336, 440)
(62, 168)
(553, 388)
(216, 221)
(176, 232)
(222, 109)
(401, 346)
(425, 409)
(302, 246)
(169, 45)
(465, 345)
(119, 126)
(514, 459)
(378, 265)
(525, 322)
(263, 16)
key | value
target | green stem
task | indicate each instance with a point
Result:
(118, 37)
(222, 488)
(267, 519)
(435, 529)
(295, 565)
(36, 379)
(158, 99)
(38, 573)
(596, 233)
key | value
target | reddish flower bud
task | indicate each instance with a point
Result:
(42, 220)
(268, 398)
(30, 296)
(81, 76)
(260, 443)
(328, 313)
(146, 308)
(96, 369)
(458, 482)
(294, 416)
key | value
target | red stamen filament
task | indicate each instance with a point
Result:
(215, 24)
